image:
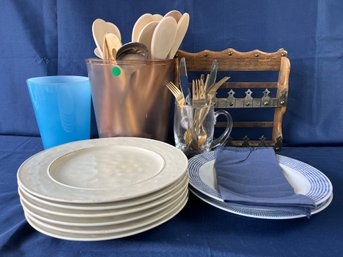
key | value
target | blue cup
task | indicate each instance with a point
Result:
(62, 106)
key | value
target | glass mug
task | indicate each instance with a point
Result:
(194, 128)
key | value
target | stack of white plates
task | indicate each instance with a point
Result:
(103, 188)
(304, 178)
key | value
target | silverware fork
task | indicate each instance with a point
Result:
(202, 91)
(210, 95)
(199, 95)
(202, 137)
(213, 89)
(180, 99)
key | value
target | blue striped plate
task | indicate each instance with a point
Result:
(304, 178)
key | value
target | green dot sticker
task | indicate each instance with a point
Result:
(116, 71)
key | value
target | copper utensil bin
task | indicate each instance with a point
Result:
(130, 97)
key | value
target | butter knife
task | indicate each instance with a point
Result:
(211, 79)
(184, 84)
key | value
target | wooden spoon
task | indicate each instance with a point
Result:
(182, 27)
(163, 38)
(175, 14)
(145, 36)
(112, 28)
(97, 53)
(157, 17)
(139, 25)
(99, 30)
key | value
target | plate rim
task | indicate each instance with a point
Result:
(214, 202)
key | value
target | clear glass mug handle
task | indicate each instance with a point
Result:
(229, 123)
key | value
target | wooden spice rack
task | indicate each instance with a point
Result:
(231, 60)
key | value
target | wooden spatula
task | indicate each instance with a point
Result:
(111, 45)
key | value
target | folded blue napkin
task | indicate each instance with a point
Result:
(252, 176)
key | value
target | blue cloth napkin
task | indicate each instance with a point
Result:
(252, 176)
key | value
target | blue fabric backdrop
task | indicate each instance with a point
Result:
(47, 37)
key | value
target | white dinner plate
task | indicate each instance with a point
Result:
(304, 178)
(100, 221)
(110, 205)
(102, 170)
(41, 208)
(258, 212)
(97, 214)
(144, 226)
(90, 221)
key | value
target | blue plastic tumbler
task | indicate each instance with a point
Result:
(62, 106)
